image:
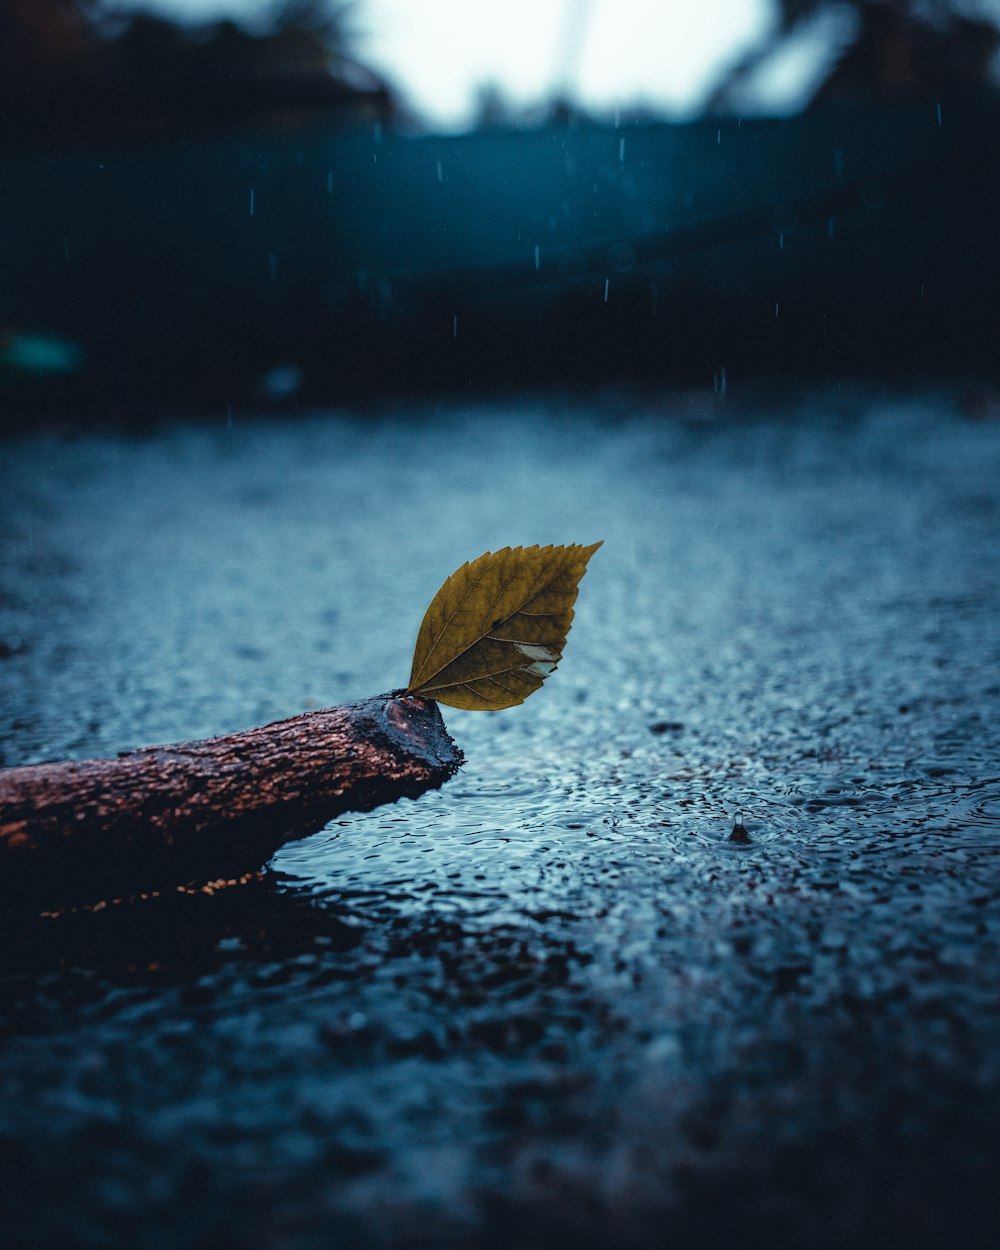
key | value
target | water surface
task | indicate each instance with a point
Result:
(551, 1003)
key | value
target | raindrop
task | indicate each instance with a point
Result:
(538, 258)
(607, 284)
(781, 242)
(454, 327)
(739, 833)
(251, 201)
(776, 307)
(718, 135)
(720, 381)
(377, 132)
(939, 113)
(621, 149)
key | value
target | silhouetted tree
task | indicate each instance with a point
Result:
(64, 63)
(900, 48)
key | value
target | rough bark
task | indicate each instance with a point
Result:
(163, 816)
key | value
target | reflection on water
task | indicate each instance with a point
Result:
(552, 996)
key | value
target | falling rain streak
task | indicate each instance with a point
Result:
(251, 201)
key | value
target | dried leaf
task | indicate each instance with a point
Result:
(497, 627)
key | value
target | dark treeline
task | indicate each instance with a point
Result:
(86, 67)
(894, 50)
(83, 69)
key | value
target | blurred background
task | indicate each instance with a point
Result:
(297, 200)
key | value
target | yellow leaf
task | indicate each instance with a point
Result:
(497, 627)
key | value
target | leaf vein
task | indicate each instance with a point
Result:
(465, 630)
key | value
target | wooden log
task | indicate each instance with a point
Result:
(163, 816)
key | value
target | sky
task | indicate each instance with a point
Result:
(662, 53)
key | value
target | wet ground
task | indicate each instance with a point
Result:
(550, 1005)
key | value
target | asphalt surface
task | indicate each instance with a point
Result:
(552, 1004)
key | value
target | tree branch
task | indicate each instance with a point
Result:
(163, 816)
